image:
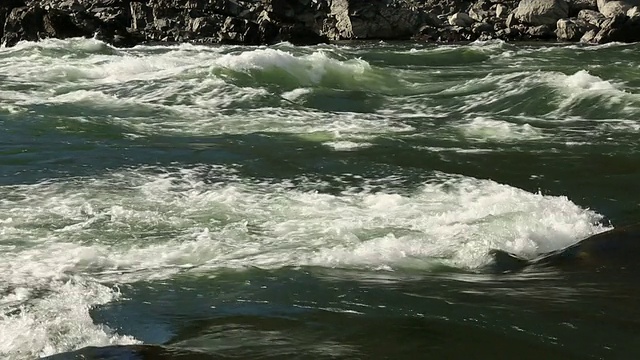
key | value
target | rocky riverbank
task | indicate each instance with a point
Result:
(128, 22)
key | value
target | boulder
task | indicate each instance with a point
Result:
(510, 33)
(610, 8)
(299, 35)
(482, 28)
(540, 32)
(239, 31)
(592, 17)
(589, 36)
(511, 20)
(461, 19)
(502, 11)
(365, 19)
(575, 6)
(613, 8)
(541, 12)
(59, 24)
(619, 28)
(482, 10)
(572, 29)
(23, 23)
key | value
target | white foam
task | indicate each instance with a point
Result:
(296, 93)
(347, 145)
(176, 90)
(274, 225)
(144, 224)
(56, 321)
(484, 129)
(620, 125)
(582, 80)
(308, 70)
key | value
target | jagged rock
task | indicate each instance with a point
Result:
(634, 11)
(540, 32)
(299, 35)
(445, 34)
(610, 8)
(510, 33)
(23, 23)
(592, 17)
(589, 36)
(461, 19)
(480, 28)
(140, 15)
(427, 33)
(59, 24)
(481, 10)
(206, 26)
(455, 34)
(365, 19)
(511, 20)
(572, 29)
(576, 5)
(619, 28)
(541, 12)
(502, 11)
(239, 31)
(130, 22)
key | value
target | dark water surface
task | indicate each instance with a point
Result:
(328, 202)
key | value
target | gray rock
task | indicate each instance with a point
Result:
(511, 33)
(461, 19)
(619, 28)
(480, 28)
(23, 23)
(129, 22)
(140, 15)
(502, 11)
(540, 32)
(59, 24)
(576, 5)
(511, 20)
(610, 8)
(239, 31)
(542, 12)
(572, 29)
(613, 8)
(482, 10)
(592, 17)
(364, 19)
(589, 36)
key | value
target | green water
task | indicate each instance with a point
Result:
(314, 202)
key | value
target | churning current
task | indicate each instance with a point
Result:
(322, 202)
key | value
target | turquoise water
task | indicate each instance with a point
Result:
(334, 201)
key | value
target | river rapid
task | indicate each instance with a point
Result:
(324, 202)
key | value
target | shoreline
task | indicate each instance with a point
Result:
(126, 23)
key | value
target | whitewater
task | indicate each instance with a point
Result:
(277, 201)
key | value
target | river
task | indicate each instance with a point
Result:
(324, 202)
